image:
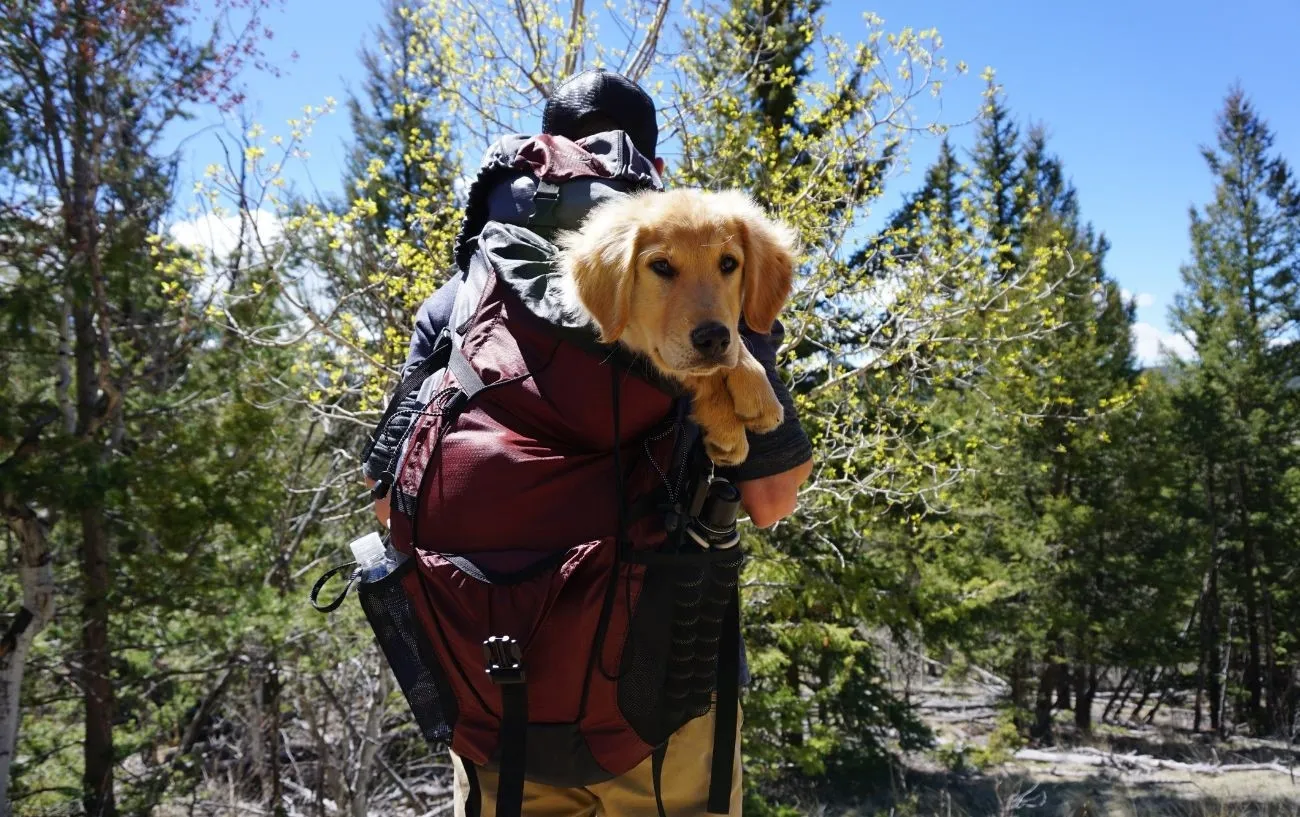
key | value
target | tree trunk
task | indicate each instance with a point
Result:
(37, 581)
(369, 750)
(1147, 678)
(1200, 693)
(1048, 683)
(275, 800)
(97, 404)
(1274, 685)
(1214, 688)
(1210, 650)
(1018, 681)
(1220, 662)
(1116, 695)
(1253, 674)
(1085, 689)
(794, 737)
(265, 731)
(1064, 687)
(96, 576)
(1128, 693)
(1162, 690)
(96, 678)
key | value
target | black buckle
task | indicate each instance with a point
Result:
(548, 191)
(454, 406)
(546, 195)
(504, 660)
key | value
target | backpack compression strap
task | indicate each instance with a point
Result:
(724, 723)
(504, 666)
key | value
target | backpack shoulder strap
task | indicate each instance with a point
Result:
(439, 358)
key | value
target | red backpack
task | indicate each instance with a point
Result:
(555, 619)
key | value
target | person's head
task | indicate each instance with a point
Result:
(597, 100)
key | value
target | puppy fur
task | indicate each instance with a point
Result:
(669, 275)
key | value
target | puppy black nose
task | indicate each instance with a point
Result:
(711, 339)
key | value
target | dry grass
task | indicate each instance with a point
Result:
(1012, 795)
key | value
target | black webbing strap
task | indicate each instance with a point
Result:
(657, 776)
(724, 723)
(470, 383)
(596, 659)
(514, 732)
(488, 576)
(545, 197)
(435, 361)
(504, 659)
(320, 583)
(474, 798)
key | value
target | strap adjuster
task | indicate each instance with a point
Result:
(504, 660)
(546, 196)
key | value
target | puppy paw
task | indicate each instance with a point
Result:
(726, 446)
(758, 408)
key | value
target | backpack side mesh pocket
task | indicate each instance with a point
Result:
(405, 644)
(669, 675)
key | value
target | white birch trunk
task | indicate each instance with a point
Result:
(37, 580)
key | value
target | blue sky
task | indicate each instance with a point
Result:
(1128, 92)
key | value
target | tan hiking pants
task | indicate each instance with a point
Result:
(685, 784)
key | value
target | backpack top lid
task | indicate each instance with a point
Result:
(529, 188)
(548, 183)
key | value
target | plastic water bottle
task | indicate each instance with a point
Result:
(375, 560)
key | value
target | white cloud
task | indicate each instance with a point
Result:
(219, 235)
(1142, 300)
(214, 238)
(1151, 345)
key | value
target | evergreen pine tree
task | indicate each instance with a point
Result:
(1239, 309)
(994, 162)
(401, 153)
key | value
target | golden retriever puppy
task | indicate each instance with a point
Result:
(669, 274)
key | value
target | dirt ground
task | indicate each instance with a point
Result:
(1115, 772)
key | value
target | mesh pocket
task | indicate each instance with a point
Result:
(670, 661)
(410, 654)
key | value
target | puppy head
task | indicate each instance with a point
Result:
(670, 274)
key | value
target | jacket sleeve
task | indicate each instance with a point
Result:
(785, 447)
(432, 316)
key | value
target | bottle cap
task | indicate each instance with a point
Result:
(722, 506)
(368, 550)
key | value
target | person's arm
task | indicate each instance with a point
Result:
(780, 461)
(433, 315)
(381, 504)
(770, 499)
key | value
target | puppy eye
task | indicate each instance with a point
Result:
(728, 264)
(660, 266)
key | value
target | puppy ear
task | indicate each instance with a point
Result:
(770, 251)
(600, 258)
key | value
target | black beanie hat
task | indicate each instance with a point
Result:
(597, 100)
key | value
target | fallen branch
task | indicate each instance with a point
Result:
(988, 678)
(1096, 757)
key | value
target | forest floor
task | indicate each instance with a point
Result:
(1122, 769)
